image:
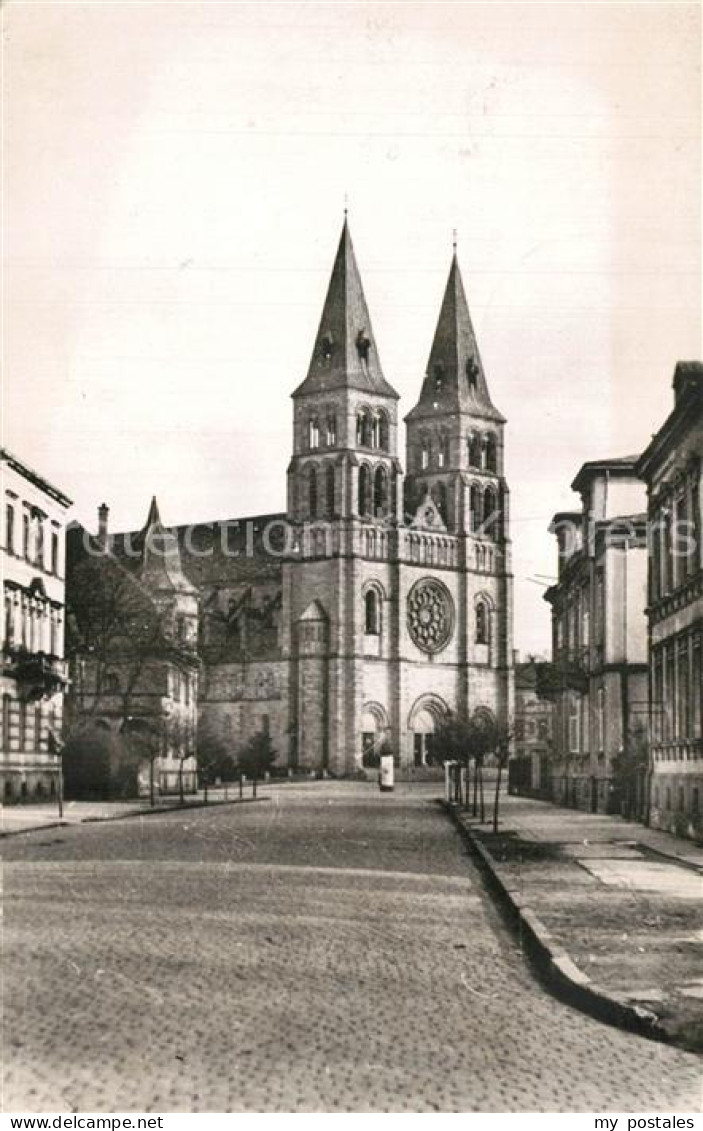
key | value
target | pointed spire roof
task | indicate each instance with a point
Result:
(345, 353)
(455, 380)
(162, 567)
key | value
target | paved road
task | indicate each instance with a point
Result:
(328, 950)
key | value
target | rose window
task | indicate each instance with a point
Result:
(430, 615)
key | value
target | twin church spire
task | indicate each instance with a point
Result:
(455, 381)
(345, 354)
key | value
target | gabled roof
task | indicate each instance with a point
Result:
(314, 612)
(345, 353)
(161, 556)
(35, 478)
(455, 380)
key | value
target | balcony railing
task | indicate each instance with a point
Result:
(38, 675)
(565, 673)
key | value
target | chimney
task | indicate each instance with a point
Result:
(687, 375)
(103, 512)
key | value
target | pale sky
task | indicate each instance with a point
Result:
(174, 179)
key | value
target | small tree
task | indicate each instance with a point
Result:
(464, 741)
(503, 738)
(179, 736)
(145, 739)
(214, 758)
(257, 757)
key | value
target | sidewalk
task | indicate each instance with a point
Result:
(25, 818)
(611, 910)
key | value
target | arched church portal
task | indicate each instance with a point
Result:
(425, 717)
(374, 730)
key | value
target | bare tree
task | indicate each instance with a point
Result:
(117, 635)
(503, 738)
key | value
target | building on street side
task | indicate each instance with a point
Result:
(598, 675)
(133, 635)
(530, 766)
(672, 469)
(33, 675)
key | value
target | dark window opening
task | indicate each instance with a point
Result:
(312, 493)
(364, 490)
(380, 492)
(371, 613)
(10, 528)
(482, 630)
(330, 489)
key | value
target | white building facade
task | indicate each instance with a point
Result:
(33, 667)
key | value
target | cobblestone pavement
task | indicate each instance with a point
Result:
(328, 950)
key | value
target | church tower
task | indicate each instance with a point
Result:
(344, 493)
(455, 432)
(455, 482)
(345, 417)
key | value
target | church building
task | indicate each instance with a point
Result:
(378, 602)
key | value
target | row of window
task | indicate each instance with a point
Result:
(532, 728)
(372, 430)
(181, 687)
(577, 723)
(675, 540)
(372, 617)
(481, 450)
(374, 495)
(376, 498)
(31, 718)
(677, 688)
(485, 514)
(572, 624)
(32, 545)
(32, 622)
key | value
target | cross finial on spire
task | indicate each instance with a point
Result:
(346, 205)
(454, 240)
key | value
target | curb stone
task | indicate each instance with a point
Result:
(35, 828)
(556, 968)
(133, 813)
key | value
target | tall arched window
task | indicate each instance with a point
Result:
(383, 431)
(329, 489)
(364, 492)
(482, 623)
(313, 432)
(474, 446)
(443, 451)
(425, 452)
(312, 492)
(490, 512)
(380, 492)
(441, 498)
(363, 429)
(372, 619)
(475, 508)
(331, 431)
(491, 450)
(6, 713)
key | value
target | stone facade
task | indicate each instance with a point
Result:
(672, 468)
(374, 605)
(33, 668)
